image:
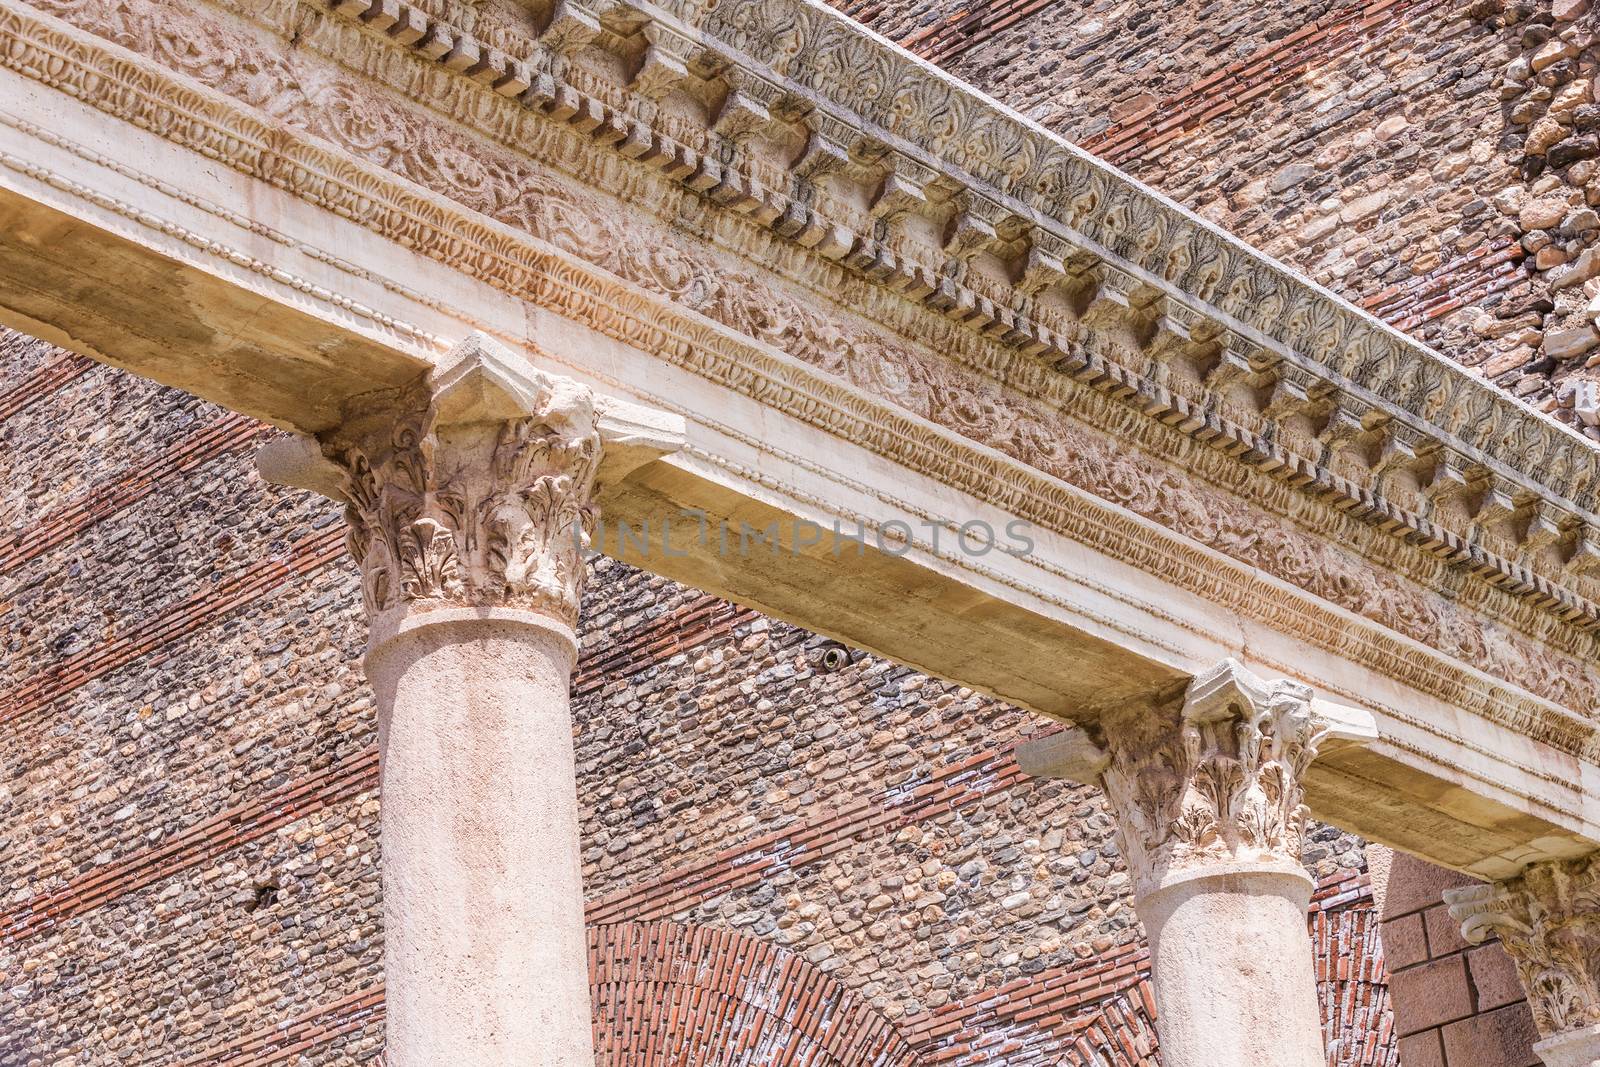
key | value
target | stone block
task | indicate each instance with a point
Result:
(1290, 176)
(1430, 995)
(1494, 977)
(1444, 933)
(1404, 943)
(1570, 344)
(1572, 149)
(1422, 1050)
(1415, 884)
(1543, 213)
(1502, 1038)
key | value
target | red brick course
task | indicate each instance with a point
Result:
(1239, 85)
(67, 367)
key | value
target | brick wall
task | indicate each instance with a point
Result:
(1454, 1004)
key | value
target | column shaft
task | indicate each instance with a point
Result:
(486, 959)
(1232, 969)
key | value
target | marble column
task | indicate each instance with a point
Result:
(1205, 785)
(470, 504)
(1548, 921)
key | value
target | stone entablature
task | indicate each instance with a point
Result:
(1123, 291)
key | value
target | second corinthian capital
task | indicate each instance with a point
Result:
(1212, 775)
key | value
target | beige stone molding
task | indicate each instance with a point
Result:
(1206, 777)
(1548, 919)
(1175, 482)
(327, 181)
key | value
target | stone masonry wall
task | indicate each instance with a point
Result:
(189, 809)
(1455, 1004)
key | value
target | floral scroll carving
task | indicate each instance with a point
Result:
(476, 489)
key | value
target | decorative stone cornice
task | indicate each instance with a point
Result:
(1211, 777)
(476, 490)
(1548, 919)
(1137, 267)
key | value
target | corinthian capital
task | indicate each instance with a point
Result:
(1223, 781)
(1548, 920)
(476, 487)
(1212, 775)
(473, 490)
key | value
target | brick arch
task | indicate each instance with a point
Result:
(672, 994)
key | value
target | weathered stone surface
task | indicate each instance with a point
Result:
(1586, 266)
(1551, 52)
(1573, 149)
(1543, 213)
(1545, 134)
(1366, 206)
(1435, 249)
(1290, 176)
(1583, 219)
(1440, 991)
(1570, 343)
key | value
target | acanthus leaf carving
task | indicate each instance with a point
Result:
(1548, 920)
(1213, 775)
(475, 490)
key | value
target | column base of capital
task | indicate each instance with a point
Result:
(402, 622)
(1575, 1048)
(1276, 874)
